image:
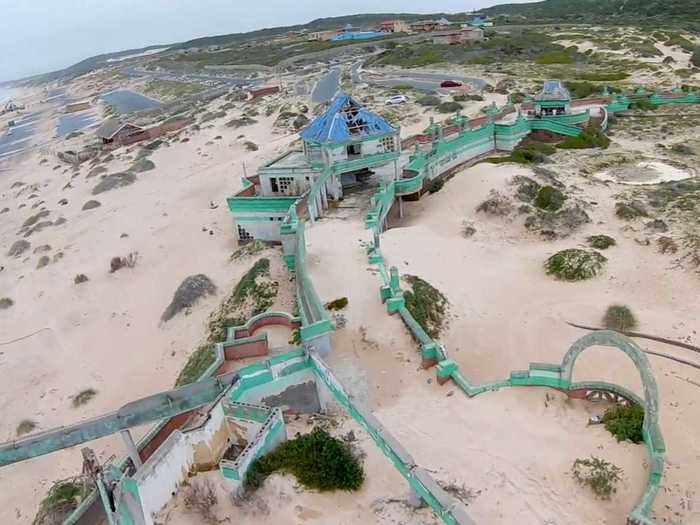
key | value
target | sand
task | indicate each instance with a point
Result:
(106, 333)
(506, 313)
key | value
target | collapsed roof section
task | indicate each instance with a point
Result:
(554, 90)
(345, 121)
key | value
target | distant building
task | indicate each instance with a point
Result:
(464, 36)
(258, 92)
(112, 131)
(394, 26)
(480, 21)
(321, 36)
(357, 35)
(77, 106)
(425, 26)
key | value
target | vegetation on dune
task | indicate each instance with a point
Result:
(532, 153)
(172, 88)
(26, 426)
(83, 397)
(600, 475)
(549, 198)
(190, 291)
(620, 318)
(625, 422)
(575, 264)
(428, 100)
(254, 293)
(317, 460)
(427, 305)
(592, 137)
(630, 210)
(63, 498)
(449, 107)
(337, 304)
(601, 242)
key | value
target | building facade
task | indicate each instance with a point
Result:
(341, 148)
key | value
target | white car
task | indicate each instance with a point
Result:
(396, 99)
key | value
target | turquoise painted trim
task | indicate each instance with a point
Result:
(260, 204)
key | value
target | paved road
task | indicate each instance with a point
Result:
(327, 86)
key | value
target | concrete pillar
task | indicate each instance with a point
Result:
(400, 207)
(414, 499)
(131, 449)
(324, 196)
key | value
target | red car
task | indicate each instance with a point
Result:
(450, 83)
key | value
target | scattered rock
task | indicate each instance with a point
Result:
(91, 205)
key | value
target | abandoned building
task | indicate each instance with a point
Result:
(554, 99)
(343, 147)
(113, 131)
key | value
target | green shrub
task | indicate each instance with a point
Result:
(427, 305)
(436, 185)
(25, 426)
(317, 460)
(643, 104)
(592, 137)
(549, 198)
(197, 363)
(581, 89)
(555, 57)
(695, 58)
(600, 475)
(625, 422)
(620, 318)
(83, 397)
(63, 498)
(630, 210)
(601, 242)
(449, 107)
(533, 153)
(428, 100)
(337, 304)
(604, 77)
(575, 264)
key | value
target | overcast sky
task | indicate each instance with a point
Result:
(37, 36)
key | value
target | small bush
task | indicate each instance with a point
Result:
(113, 181)
(318, 461)
(337, 304)
(497, 204)
(601, 242)
(600, 475)
(643, 104)
(630, 210)
(620, 318)
(83, 397)
(449, 107)
(25, 426)
(592, 137)
(428, 100)
(5, 303)
(695, 58)
(436, 185)
(80, 278)
(625, 422)
(191, 290)
(63, 498)
(427, 305)
(142, 165)
(667, 245)
(575, 264)
(250, 146)
(117, 263)
(200, 496)
(549, 198)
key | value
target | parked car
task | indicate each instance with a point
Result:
(396, 99)
(450, 83)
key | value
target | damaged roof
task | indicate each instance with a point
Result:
(344, 121)
(110, 127)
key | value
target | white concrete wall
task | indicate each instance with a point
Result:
(163, 472)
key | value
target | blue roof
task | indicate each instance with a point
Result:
(345, 120)
(357, 35)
